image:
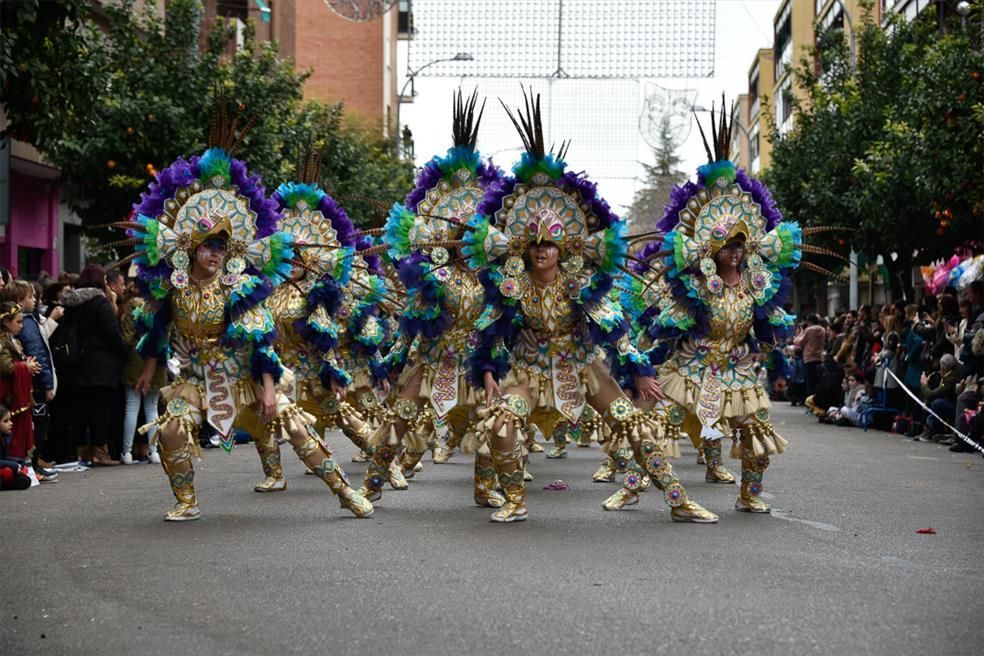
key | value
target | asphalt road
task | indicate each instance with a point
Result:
(90, 568)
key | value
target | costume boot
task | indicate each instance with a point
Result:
(269, 452)
(510, 475)
(559, 439)
(533, 438)
(408, 463)
(628, 423)
(752, 468)
(509, 469)
(485, 480)
(716, 473)
(442, 454)
(377, 473)
(395, 477)
(317, 456)
(181, 475)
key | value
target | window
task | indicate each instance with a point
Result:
(784, 39)
(753, 92)
(784, 106)
(405, 20)
(753, 150)
(29, 262)
(833, 19)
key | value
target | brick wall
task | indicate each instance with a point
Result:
(346, 57)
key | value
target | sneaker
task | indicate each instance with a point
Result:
(924, 438)
(46, 474)
(153, 457)
(126, 458)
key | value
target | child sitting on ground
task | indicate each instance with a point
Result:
(849, 414)
(13, 473)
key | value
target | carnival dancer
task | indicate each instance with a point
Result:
(547, 247)
(724, 273)
(207, 255)
(325, 317)
(444, 298)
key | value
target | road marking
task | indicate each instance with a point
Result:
(923, 458)
(779, 514)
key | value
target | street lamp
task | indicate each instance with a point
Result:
(411, 75)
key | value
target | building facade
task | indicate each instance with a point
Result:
(772, 90)
(352, 61)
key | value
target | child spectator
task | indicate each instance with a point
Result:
(35, 345)
(849, 414)
(13, 473)
(16, 371)
(796, 392)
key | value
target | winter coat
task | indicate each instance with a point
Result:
(35, 344)
(102, 349)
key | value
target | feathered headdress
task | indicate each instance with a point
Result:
(447, 191)
(207, 196)
(722, 206)
(543, 201)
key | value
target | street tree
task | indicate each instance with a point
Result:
(649, 201)
(890, 147)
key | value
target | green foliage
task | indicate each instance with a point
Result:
(891, 149)
(118, 103)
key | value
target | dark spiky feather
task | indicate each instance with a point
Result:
(529, 125)
(722, 127)
(464, 127)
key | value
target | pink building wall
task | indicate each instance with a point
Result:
(33, 223)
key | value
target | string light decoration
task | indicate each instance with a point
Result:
(360, 10)
(670, 105)
(566, 38)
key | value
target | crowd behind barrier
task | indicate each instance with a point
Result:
(913, 369)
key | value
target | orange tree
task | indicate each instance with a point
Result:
(891, 147)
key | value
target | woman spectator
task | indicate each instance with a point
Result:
(92, 380)
(886, 362)
(131, 373)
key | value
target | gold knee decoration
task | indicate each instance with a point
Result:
(509, 410)
(759, 436)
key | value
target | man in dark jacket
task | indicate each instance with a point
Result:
(93, 382)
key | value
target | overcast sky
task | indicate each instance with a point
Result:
(742, 27)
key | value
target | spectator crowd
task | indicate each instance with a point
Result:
(913, 369)
(68, 366)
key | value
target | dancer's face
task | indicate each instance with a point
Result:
(543, 256)
(731, 254)
(208, 258)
